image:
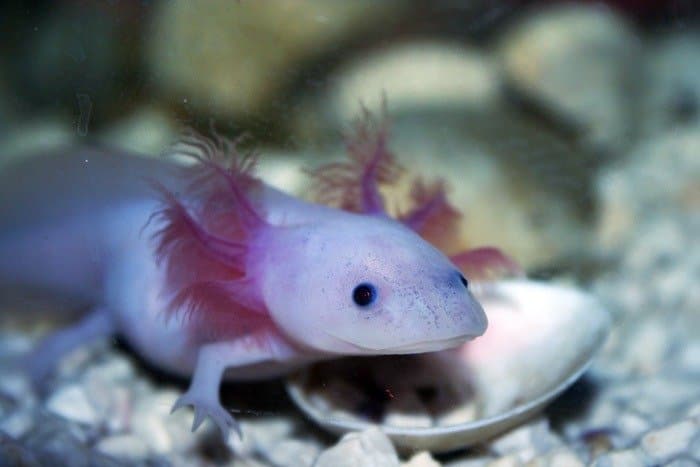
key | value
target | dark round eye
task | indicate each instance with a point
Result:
(463, 280)
(364, 294)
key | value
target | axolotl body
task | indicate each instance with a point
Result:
(208, 272)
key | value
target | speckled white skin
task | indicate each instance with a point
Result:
(87, 237)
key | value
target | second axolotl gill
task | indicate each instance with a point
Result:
(208, 272)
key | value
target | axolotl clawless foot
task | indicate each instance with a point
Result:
(40, 362)
(212, 362)
(209, 273)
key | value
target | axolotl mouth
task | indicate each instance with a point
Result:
(413, 347)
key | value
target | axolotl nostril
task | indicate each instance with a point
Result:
(207, 271)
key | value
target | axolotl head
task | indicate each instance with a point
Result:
(367, 285)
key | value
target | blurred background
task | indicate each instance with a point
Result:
(568, 133)
(520, 105)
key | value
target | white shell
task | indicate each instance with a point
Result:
(541, 338)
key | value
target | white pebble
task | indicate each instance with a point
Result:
(72, 403)
(123, 446)
(264, 433)
(461, 414)
(626, 458)
(632, 425)
(150, 428)
(690, 357)
(369, 447)
(17, 424)
(564, 458)
(669, 442)
(506, 461)
(293, 453)
(422, 459)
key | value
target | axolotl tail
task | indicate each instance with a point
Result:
(54, 212)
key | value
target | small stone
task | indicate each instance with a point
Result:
(422, 459)
(34, 137)
(450, 76)
(631, 425)
(673, 97)
(18, 423)
(151, 428)
(505, 461)
(564, 458)
(55, 441)
(554, 57)
(147, 131)
(262, 434)
(690, 357)
(626, 458)
(163, 431)
(72, 403)
(369, 447)
(682, 463)
(264, 49)
(647, 347)
(13, 453)
(462, 414)
(694, 449)
(123, 447)
(535, 435)
(293, 453)
(115, 369)
(406, 410)
(16, 386)
(666, 443)
(14, 345)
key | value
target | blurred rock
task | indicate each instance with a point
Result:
(562, 457)
(414, 77)
(623, 458)
(33, 136)
(146, 131)
(262, 434)
(670, 442)
(673, 97)
(12, 453)
(294, 453)
(579, 65)
(498, 177)
(659, 174)
(73, 58)
(526, 442)
(234, 58)
(369, 447)
(125, 447)
(57, 442)
(422, 459)
(72, 403)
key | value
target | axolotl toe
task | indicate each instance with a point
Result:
(208, 272)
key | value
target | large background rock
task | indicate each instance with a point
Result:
(239, 56)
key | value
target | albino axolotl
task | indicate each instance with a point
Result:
(208, 272)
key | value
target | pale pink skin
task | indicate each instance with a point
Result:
(83, 233)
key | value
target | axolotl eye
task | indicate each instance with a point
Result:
(463, 280)
(364, 294)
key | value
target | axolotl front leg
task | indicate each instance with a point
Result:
(213, 359)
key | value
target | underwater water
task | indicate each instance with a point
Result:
(537, 160)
